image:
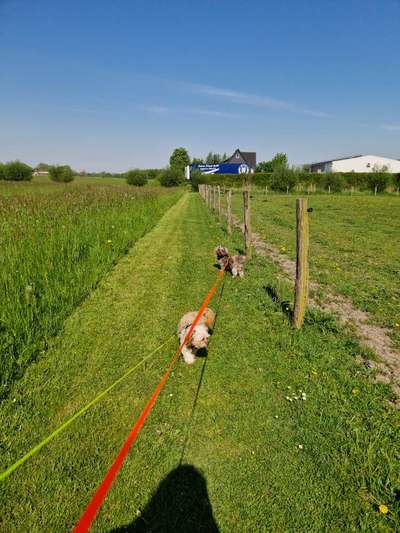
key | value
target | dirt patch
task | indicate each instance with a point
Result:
(373, 337)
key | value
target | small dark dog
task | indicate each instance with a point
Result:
(231, 263)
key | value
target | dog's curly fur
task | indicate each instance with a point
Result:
(232, 263)
(200, 336)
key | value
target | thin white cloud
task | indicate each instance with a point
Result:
(155, 109)
(189, 110)
(212, 113)
(390, 127)
(256, 100)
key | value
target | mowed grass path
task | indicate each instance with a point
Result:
(241, 440)
(355, 245)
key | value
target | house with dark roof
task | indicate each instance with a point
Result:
(239, 163)
(243, 158)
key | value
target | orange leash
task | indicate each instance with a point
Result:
(95, 503)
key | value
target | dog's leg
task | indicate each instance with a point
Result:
(234, 272)
(188, 355)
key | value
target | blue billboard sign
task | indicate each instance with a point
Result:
(222, 168)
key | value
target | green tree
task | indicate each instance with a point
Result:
(153, 173)
(210, 158)
(17, 171)
(2, 171)
(136, 177)
(279, 160)
(284, 178)
(61, 173)
(171, 177)
(197, 161)
(265, 166)
(379, 179)
(395, 179)
(43, 167)
(333, 181)
(213, 158)
(179, 160)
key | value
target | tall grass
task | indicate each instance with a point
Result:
(54, 250)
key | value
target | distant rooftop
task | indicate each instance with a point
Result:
(336, 159)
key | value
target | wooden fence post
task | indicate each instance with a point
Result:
(229, 212)
(246, 222)
(219, 202)
(301, 287)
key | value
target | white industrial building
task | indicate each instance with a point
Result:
(357, 163)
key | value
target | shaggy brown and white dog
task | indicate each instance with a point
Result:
(200, 335)
(232, 263)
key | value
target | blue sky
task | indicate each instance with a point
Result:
(118, 84)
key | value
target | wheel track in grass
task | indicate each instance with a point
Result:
(374, 337)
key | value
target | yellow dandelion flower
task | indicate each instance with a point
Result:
(109, 241)
(355, 392)
(383, 509)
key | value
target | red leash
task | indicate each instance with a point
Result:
(94, 505)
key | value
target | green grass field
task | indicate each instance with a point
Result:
(228, 446)
(55, 249)
(44, 185)
(354, 245)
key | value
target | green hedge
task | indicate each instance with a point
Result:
(171, 178)
(17, 171)
(61, 173)
(336, 181)
(136, 177)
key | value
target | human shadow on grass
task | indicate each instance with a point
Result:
(179, 505)
(284, 305)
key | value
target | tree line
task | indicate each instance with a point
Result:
(19, 171)
(275, 173)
